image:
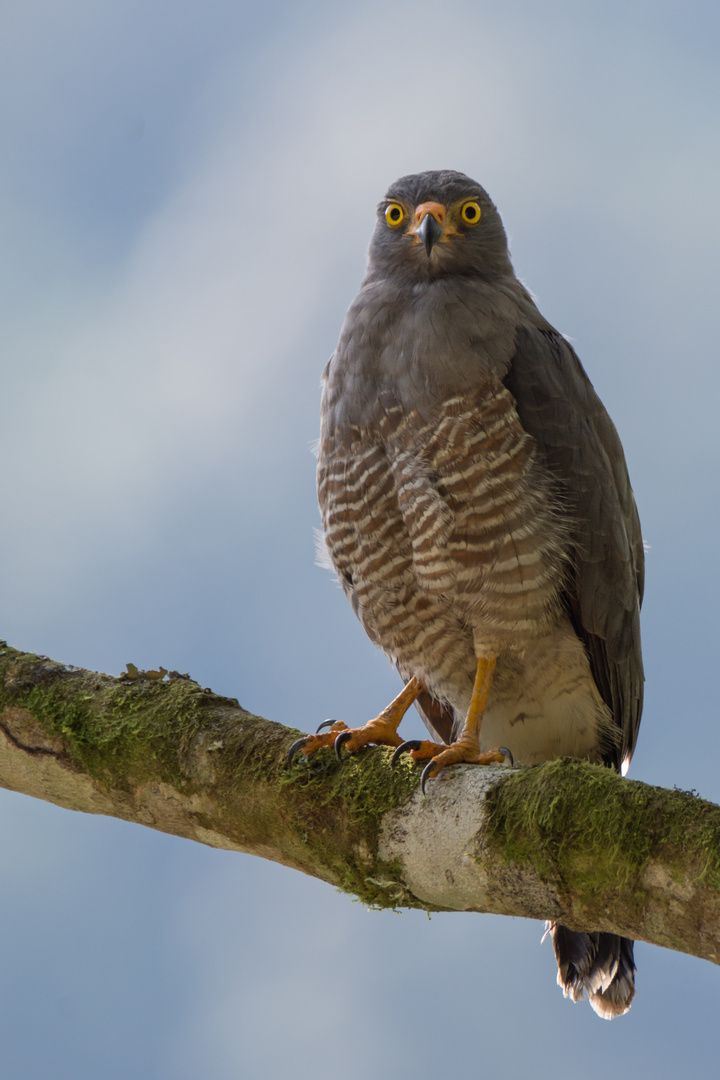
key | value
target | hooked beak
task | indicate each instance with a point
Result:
(429, 230)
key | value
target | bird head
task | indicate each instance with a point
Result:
(433, 224)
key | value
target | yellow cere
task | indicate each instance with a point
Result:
(470, 213)
(394, 215)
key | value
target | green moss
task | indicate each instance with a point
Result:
(365, 784)
(139, 728)
(584, 824)
(118, 732)
(360, 791)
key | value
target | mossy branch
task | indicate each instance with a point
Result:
(565, 840)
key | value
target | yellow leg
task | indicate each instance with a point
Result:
(382, 730)
(466, 748)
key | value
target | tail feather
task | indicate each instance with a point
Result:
(598, 965)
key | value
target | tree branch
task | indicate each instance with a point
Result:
(565, 840)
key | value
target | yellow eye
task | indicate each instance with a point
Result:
(470, 213)
(394, 215)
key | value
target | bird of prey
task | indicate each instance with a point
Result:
(477, 509)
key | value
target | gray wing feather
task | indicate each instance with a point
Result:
(559, 408)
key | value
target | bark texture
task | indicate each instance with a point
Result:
(565, 840)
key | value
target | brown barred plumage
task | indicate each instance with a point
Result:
(444, 532)
(477, 509)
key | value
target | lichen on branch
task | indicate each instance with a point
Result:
(564, 840)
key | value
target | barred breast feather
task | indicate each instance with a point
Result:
(446, 533)
(477, 507)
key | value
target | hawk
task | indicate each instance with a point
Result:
(477, 509)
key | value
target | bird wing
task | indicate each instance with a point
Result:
(559, 408)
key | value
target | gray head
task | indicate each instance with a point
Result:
(434, 224)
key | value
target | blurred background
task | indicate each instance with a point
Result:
(186, 195)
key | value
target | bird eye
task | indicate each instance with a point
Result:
(394, 215)
(470, 213)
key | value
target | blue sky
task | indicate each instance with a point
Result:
(186, 196)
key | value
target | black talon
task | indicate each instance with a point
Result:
(426, 774)
(325, 723)
(294, 749)
(343, 737)
(504, 750)
(403, 748)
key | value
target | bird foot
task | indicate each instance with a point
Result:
(418, 749)
(310, 743)
(377, 732)
(380, 731)
(462, 751)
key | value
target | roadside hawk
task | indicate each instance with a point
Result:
(477, 509)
